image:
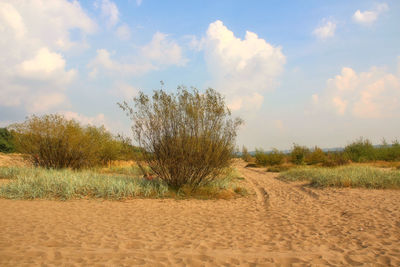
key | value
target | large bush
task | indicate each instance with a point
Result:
(6, 141)
(186, 138)
(361, 150)
(52, 141)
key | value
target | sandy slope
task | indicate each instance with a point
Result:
(286, 224)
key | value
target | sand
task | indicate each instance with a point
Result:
(284, 224)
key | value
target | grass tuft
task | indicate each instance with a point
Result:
(346, 176)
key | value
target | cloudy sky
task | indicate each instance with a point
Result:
(311, 72)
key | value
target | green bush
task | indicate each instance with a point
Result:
(316, 156)
(388, 152)
(361, 150)
(186, 138)
(299, 154)
(6, 141)
(52, 141)
(275, 157)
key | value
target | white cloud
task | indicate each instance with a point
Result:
(139, 2)
(34, 35)
(123, 32)
(241, 69)
(109, 11)
(327, 30)
(161, 52)
(98, 120)
(372, 94)
(369, 16)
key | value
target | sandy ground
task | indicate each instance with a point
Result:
(284, 224)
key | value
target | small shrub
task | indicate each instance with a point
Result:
(246, 155)
(299, 154)
(278, 168)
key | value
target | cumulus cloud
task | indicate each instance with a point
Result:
(159, 53)
(34, 36)
(371, 94)
(163, 51)
(325, 31)
(369, 16)
(242, 69)
(109, 11)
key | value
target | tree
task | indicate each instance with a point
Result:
(186, 138)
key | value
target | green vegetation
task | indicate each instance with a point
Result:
(52, 141)
(345, 176)
(40, 183)
(246, 155)
(187, 138)
(299, 154)
(275, 157)
(6, 141)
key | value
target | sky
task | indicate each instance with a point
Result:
(308, 72)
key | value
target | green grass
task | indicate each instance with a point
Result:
(39, 183)
(346, 176)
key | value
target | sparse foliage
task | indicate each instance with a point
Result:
(186, 138)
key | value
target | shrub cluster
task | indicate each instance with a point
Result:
(362, 150)
(52, 141)
(275, 157)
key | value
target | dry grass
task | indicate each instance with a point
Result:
(13, 159)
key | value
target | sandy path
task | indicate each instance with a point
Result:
(286, 224)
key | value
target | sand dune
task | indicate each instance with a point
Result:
(280, 224)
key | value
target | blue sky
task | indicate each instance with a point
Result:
(311, 72)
